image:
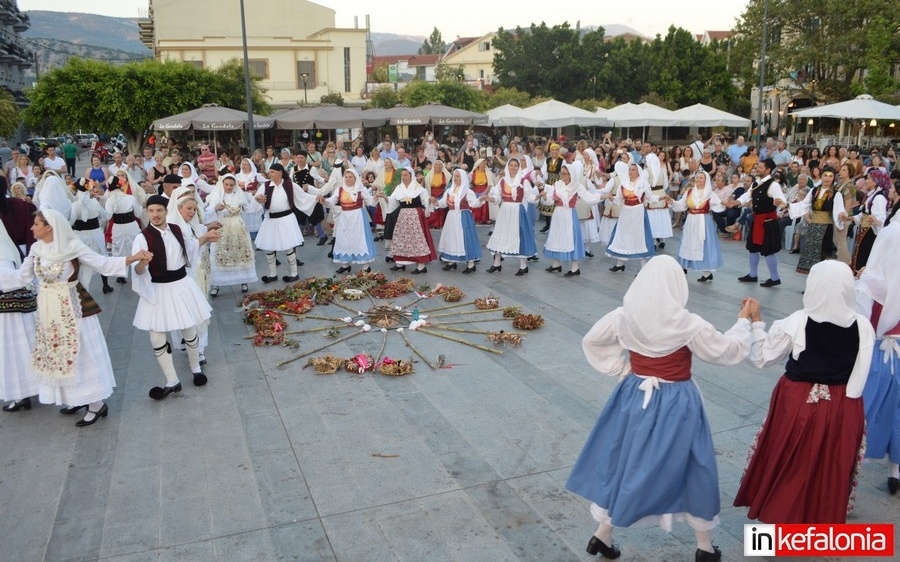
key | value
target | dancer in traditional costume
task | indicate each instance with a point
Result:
(280, 231)
(804, 461)
(699, 250)
(70, 357)
(387, 178)
(87, 218)
(564, 241)
(650, 457)
(513, 231)
(658, 208)
(459, 238)
(406, 227)
(353, 239)
(124, 211)
(878, 297)
(232, 260)
(764, 240)
(631, 237)
(824, 209)
(481, 180)
(612, 207)
(551, 171)
(248, 181)
(18, 382)
(436, 181)
(871, 220)
(169, 299)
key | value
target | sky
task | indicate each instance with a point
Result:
(477, 17)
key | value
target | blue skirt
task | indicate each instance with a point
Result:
(712, 254)
(639, 463)
(531, 212)
(527, 245)
(470, 240)
(366, 233)
(576, 254)
(648, 237)
(881, 397)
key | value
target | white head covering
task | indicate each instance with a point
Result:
(513, 181)
(173, 215)
(659, 292)
(700, 196)
(880, 280)
(65, 245)
(463, 182)
(54, 196)
(218, 194)
(8, 249)
(192, 180)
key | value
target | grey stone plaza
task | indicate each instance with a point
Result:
(465, 463)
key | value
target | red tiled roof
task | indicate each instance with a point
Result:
(720, 35)
(423, 60)
(390, 59)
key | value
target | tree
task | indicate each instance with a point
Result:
(234, 91)
(878, 80)
(453, 94)
(511, 96)
(384, 97)
(93, 95)
(434, 45)
(684, 72)
(444, 72)
(379, 74)
(333, 98)
(9, 114)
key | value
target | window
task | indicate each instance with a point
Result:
(259, 68)
(346, 69)
(481, 74)
(196, 63)
(484, 46)
(420, 73)
(308, 67)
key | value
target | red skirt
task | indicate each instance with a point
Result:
(482, 215)
(804, 462)
(436, 218)
(411, 240)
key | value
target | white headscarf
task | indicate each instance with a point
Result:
(880, 280)
(194, 176)
(173, 214)
(513, 181)
(219, 195)
(463, 187)
(357, 186)
(54, 195)
(702, 195)
(65, 245)
(655, 321)
(8, 249)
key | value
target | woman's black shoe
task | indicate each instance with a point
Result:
(572, 273)
(703, 556)
(267, 279)
(494, 268)
(522, 271)
(596, 546)
(101, 413)
(121, 280)
(388, 259)
(588, 254)
(378, 239)
(545, 229)
(706, 278)
(344, 269)
(552, 269)
(418, 271)
(322, 241)
(448, 266)
(616, 268)
(398, 267)
(532, 258)
(69, 410)
(469, 269)
(16, 406)
(893, 483)
(107, 289)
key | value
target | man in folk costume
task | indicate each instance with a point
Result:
(169, 299)
(765, 237)
(279, 231)
(304, 175)
(658, 212)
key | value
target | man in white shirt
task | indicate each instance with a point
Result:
(54, 162)
(765, 197)
(117, 164)
(781, 156)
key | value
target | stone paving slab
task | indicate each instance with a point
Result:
(467, 463)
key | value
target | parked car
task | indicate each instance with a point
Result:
(85, 140)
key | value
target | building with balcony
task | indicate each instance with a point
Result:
(476, 57)
(14, 59)
(293, 45)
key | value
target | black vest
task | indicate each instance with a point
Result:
(829, 355)
(159, 268)
(760, 199)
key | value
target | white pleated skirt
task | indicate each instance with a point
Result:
(179, 305)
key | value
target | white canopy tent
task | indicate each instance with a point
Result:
(552, 114)
(699, 115)
(640, 115)
(505, 116)
(862, 107)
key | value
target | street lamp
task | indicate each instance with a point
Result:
(304, 76)
(251, 133)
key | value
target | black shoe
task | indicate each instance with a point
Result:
(331, 254)
(388, 259)
(616, 268)
(703, 556)
(160, 392)
(522, 271)
(794, 252)
(290, 278)
(494, 268)
(69, 410)
(344, 269)
(706, 278)
(121, 280)
(418, 271)
(101, 413)
(545, 229)
(588, 254)
(469, 269)
(596, 546)
(533, 258)
(398, 267)
(378, 239)
(684, 270)
(322, 241)
(552, 269)
(200, 379)
(449, 265)
(16, 406)
(893, 484)
(214, 292)
(770, 283)
(267, 279)
(107, 289)
(662, 245)
(748, 279)
(244, 288)
(572, 273)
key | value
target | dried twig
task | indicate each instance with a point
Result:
(417, 352)
(458, 340)
(454, 305)
(465, 312)
(301, 356)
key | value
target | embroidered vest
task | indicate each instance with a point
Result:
(158, 268)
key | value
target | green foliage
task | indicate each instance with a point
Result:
(99, 96)
(656, 99)
(379, 74)
(333, 98)
(587, 105)
(9, 114)
(434, 45)
(234, 91)
(511, 96)
(453, 94)
(879, 80)
(444, 72)
(384, 97)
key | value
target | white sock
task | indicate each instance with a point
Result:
(704, 540)
(497, 258)
(604, 533)
(270, 260)
(894, 469)
(523, 263)
(161, 349)
(193, 348)
(292, 262)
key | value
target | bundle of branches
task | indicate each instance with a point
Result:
(384, 316)
(500, 337)
(325, 364)
(487, 303)
(528, 321)
(450, 294)
(391, 290)
(363, 280)
(269, 326)
(512, 311)
(323, 288)
(395, 367)
(359, 364)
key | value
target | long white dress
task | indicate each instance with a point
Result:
(118, 203)
(283, 233)
(353, 240)
(232, 261)
(17, 380)
(93, 378)
(249, 182)
(86, 208)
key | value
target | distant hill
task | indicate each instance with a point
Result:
(120, 34)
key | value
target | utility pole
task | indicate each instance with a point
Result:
(762, 74)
